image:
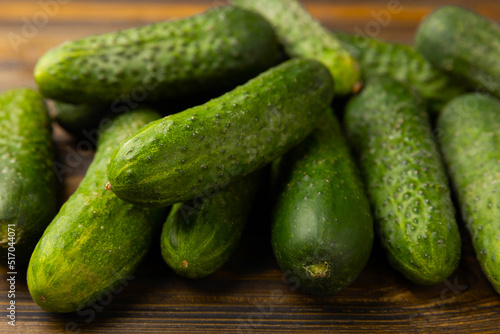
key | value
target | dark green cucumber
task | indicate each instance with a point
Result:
(217, 49)
(469, 132)
(303, 36)
(27, 179)
(96, 239)
(406, 181)
(463, 43)
(77, 119)
(322, 232)
(200, 235)
(378, 58)
(203, 148)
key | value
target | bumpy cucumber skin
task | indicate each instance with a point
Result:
(303, 36)
(27, 181)
(470, 141)
(220, 48)
(203, 148)
(378, 58)
(322, 231)
(406, 181)
(77, 118)
(96, 239)
(464, 44)
(200, 235)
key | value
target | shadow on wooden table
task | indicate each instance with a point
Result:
(250, 294)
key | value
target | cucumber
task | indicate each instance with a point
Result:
(322, 231)
(96, 240)
(78, 119)
(407, 185)
(203, 148)
(28, 192)
(464, 44)
(200, 235)
(469, 134)
(378, 58)
(217, 49)
(303, 36)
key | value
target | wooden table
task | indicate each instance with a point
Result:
(249, 294)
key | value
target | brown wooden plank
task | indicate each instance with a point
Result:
(81, 18)
(380, 299)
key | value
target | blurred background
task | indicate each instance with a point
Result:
(30, 27)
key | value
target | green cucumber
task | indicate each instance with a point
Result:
(217, 49)
(200, 235)
(78, 119)
(469, 134)
(96, 239)
(322, 232)
(203, 148)
(406, 180)
(28, 195)
(378, 58)
(303, 36)
(464, 44)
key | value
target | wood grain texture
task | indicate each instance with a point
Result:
(250, 294)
